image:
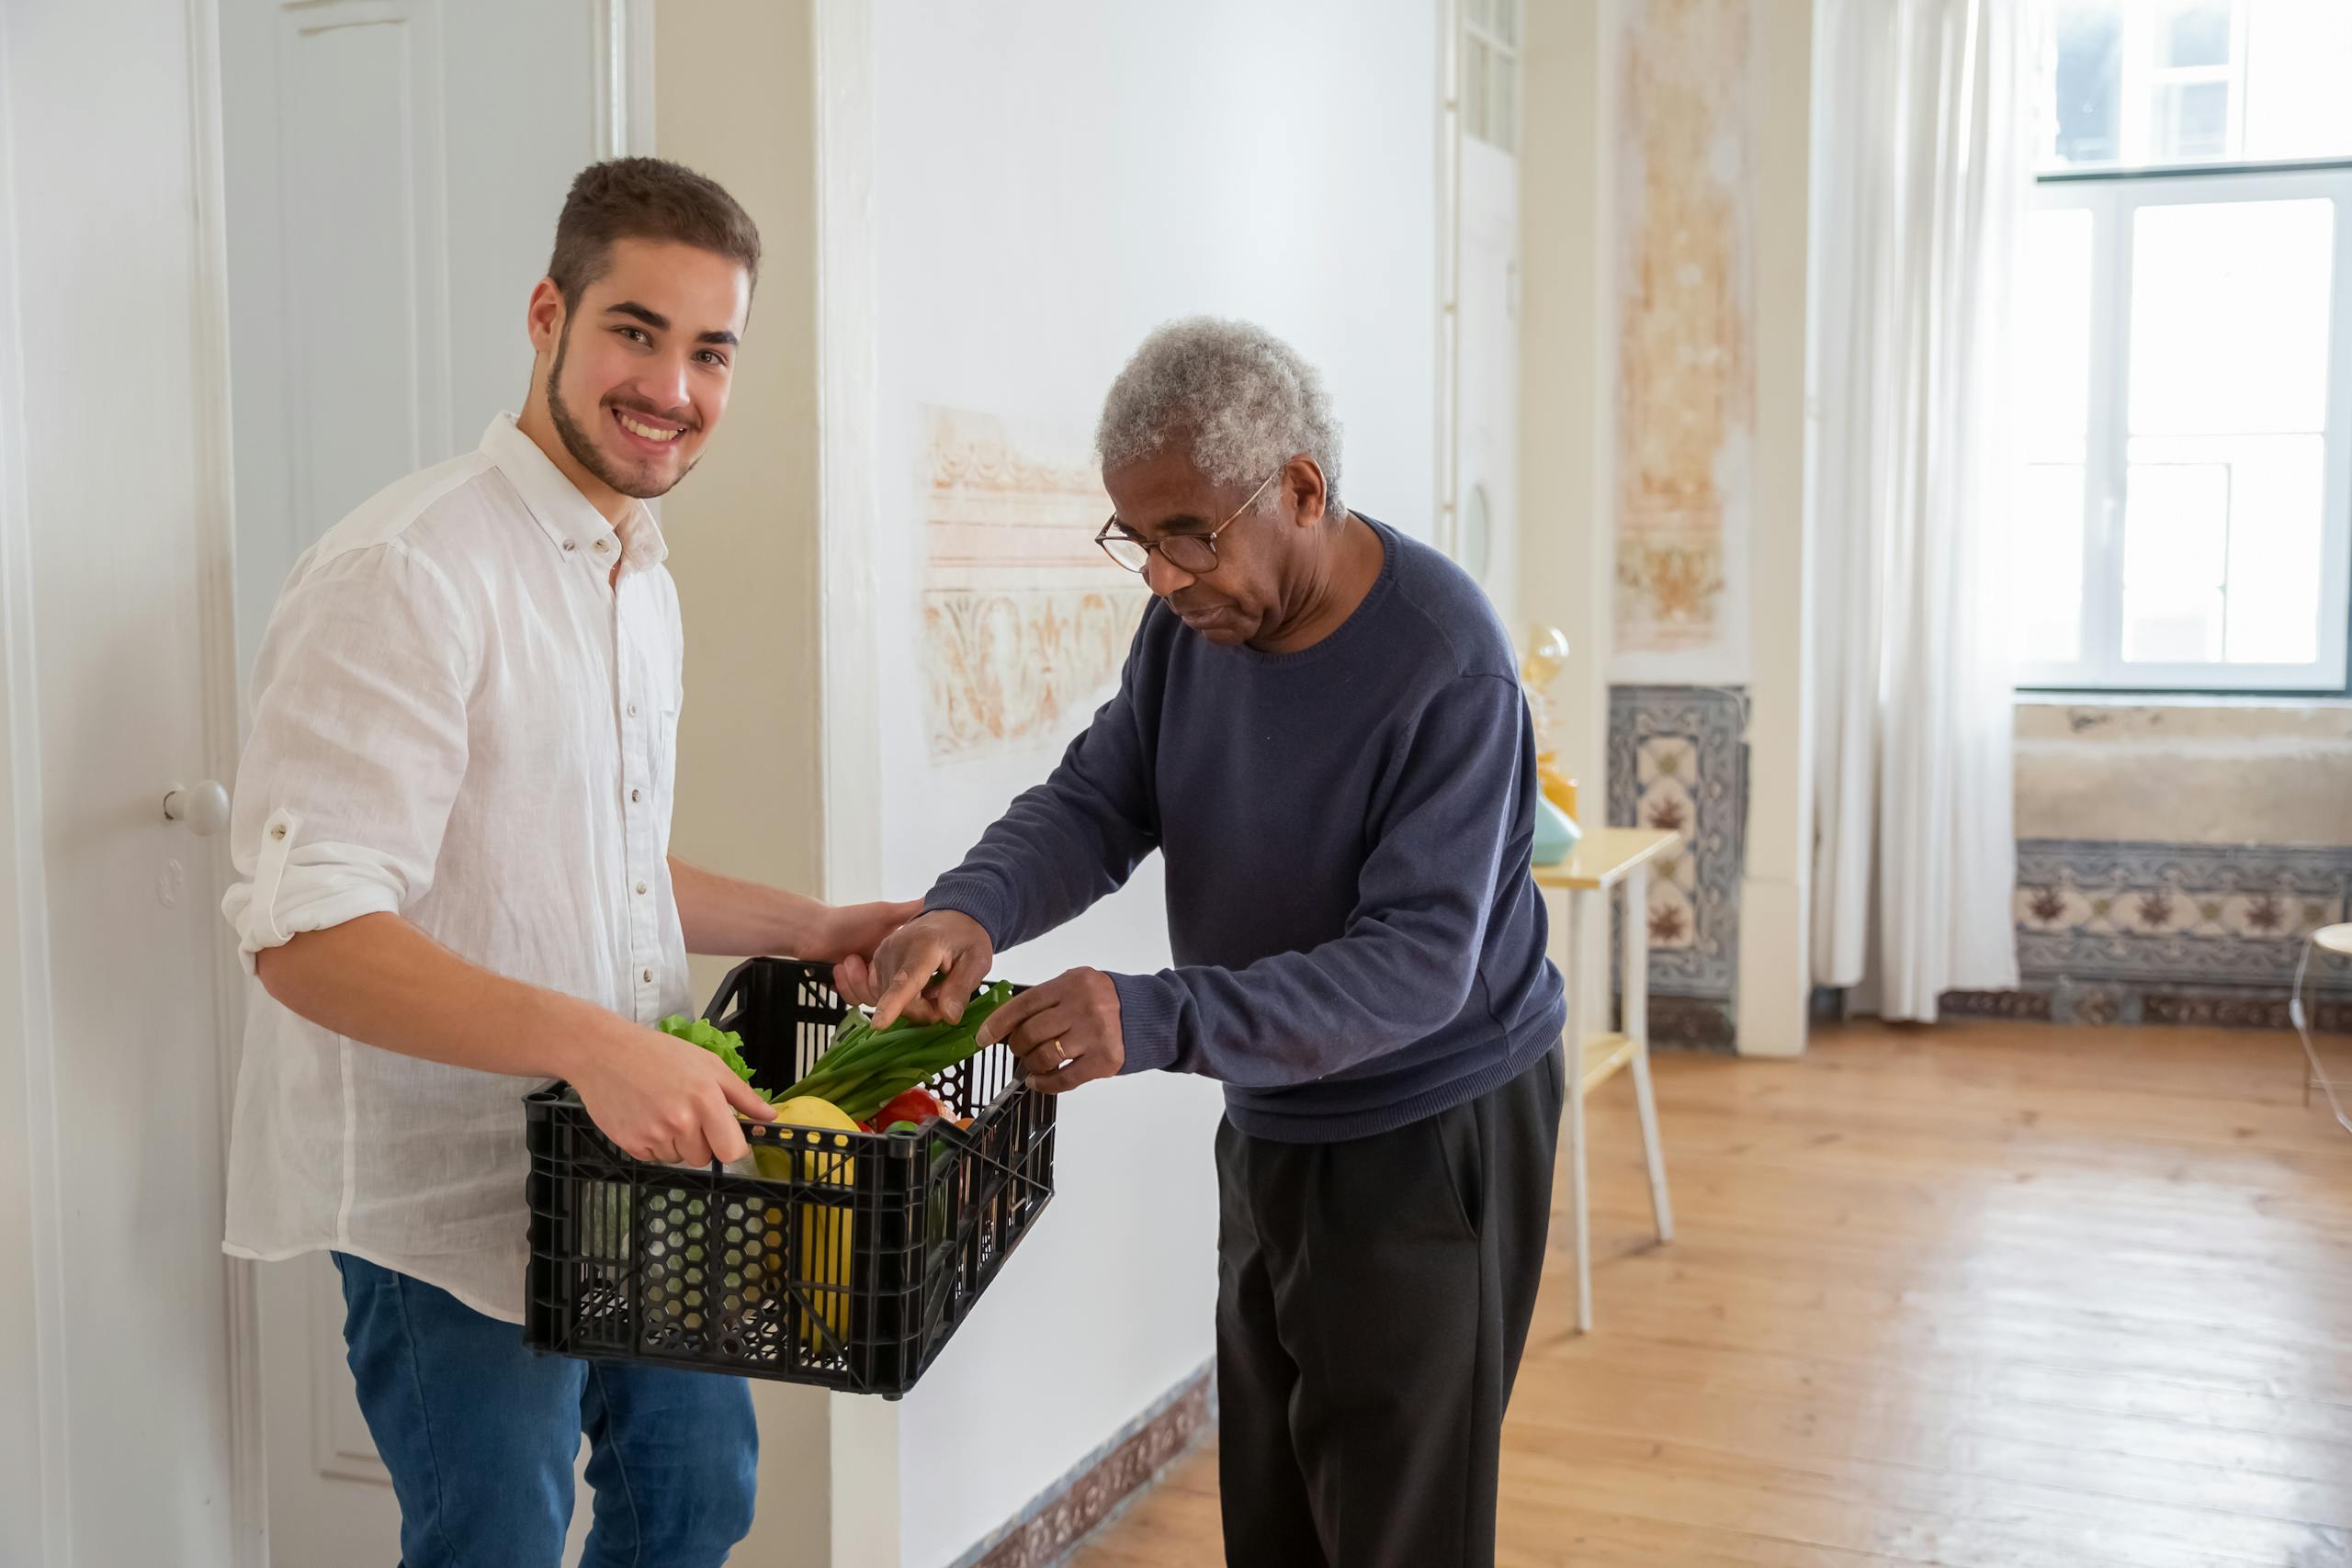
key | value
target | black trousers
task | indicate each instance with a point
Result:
(1373, 1300)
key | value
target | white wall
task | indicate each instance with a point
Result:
(2235, 771)
(742, 539)
(1568, 364)
(1575, 437)
(1052, 178)
(1775, 971)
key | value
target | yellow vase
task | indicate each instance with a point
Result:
(1558, 788)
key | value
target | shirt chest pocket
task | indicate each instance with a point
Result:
(663, 749)
(652, 687)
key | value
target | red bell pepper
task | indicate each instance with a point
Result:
(916, 1105)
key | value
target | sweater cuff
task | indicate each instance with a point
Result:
(979, 901)
(1148, 1017)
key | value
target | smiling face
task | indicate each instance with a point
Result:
(634, 375)
(1254, 590)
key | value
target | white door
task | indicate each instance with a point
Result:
(395, 169)
(1486, 391)
(116, 1407)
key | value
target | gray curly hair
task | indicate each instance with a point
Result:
(1246, 399)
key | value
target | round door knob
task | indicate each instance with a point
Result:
(204, 809)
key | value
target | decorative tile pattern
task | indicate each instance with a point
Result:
(1025, 624)
(2207, 935)
(1686, 388)
(1677, 759)
(2027, 1005)
(1693, 1023)
(1050, 1527)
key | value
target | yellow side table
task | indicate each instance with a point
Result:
(1606, 858)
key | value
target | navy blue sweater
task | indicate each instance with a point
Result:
(1358, 941)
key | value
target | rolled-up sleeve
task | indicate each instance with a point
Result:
(357, 747)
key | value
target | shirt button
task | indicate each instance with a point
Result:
(632, 710)
(602, 544)
(571, 544)
(648, 975)
(641, 887)
(634, 795)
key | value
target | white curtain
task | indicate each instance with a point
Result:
(1922, 168)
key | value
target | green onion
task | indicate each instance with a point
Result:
(868, 1067)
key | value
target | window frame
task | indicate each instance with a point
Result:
(2111, 195)
(1495, 28)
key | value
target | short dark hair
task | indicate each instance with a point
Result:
(645, 199)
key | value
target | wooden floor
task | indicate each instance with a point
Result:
(1988, 1295)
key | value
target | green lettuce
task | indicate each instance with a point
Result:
(723, 1043)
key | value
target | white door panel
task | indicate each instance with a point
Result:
(1488, 471)
(117, 1436)
(395, 169)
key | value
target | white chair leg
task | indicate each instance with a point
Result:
(1652, 1151)
(1637, 1031)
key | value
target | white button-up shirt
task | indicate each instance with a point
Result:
(460, 718)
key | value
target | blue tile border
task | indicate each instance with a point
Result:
(2107, 932)
(2201, 934)
(1103, 1485)
(1713, 719)
(2180, 913)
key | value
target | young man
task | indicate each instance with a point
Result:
(452, 824)
(1322, 728)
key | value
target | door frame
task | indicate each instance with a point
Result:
(1452, 134)
(217, 628)
(35, 1499)
(25, 956)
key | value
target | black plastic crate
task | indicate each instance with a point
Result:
(847, 1261)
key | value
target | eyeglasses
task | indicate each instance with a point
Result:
(1191, 553)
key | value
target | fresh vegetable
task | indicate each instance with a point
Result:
(903, 1125)
(917, 1105)
(606, 1231)
(723, 1043)
(825, 1228)
(801, 1110)
(868, 1067)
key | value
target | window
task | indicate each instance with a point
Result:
(2185, 517)
(2136, 84)
(1490, 72)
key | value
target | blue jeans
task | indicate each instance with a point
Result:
(480, 1433)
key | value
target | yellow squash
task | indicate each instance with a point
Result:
(825, 1229)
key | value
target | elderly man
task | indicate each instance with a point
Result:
(1320, 727)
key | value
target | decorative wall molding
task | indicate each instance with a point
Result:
(1025, 623)
(1685, 335)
